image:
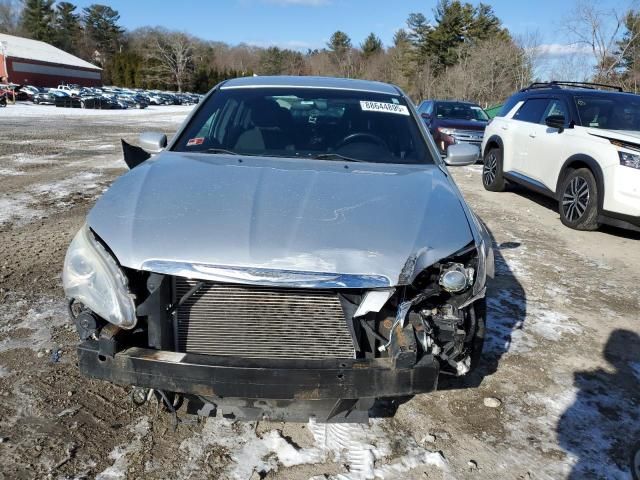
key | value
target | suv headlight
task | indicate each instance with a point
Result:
(629, 159)
(447, 131)
(92, 277)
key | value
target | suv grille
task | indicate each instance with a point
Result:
(262, 322)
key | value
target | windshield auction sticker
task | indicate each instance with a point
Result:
(383, 107)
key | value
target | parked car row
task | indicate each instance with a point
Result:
(75, 96)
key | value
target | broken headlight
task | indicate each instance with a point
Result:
(455, 277)
(92, 277)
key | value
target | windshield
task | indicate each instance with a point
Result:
(461, 111)
(306, 122)
(612, 112)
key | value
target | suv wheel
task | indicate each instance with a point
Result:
(492, 178)
(579, 200)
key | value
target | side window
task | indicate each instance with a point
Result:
(531, 111)
(556, 107)
(510, 103)
(425, 107)
(429, 108)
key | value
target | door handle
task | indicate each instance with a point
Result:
(532, 135)
(504, 127)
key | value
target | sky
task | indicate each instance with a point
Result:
(302, 24)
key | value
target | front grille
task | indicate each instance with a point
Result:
(262, 322)
(469, 136)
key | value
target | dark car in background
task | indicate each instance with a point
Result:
(451, 122)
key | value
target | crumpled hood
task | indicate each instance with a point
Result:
(283, 214)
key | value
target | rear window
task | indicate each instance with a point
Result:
(306, 123)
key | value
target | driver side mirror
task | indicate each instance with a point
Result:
(153, 142)
(461, 154)
(426, 116)
(555, 121)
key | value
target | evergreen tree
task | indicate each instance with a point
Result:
(271, 61)
(340, 50)
(36, 20)
(102, 30)
(67, 27)
(418, 35)
(371, 45)
(339, 43)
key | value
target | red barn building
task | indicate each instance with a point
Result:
(30, 62)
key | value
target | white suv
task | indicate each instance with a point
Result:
(576, 142)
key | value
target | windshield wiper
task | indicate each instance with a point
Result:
(218, 150)
(335, 156)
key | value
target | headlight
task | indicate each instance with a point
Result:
(447, 131)
(629, 159)
(455, 278)
(92, 277)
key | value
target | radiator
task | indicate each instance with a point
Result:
(262, 322)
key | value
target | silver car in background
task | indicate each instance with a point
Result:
(299, 248)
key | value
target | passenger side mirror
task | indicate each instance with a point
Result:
(555, 121)
(153, 142)
(461, 154)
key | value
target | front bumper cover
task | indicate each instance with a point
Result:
(219, 376)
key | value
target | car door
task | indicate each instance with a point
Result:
(526, 123)
(547, 145)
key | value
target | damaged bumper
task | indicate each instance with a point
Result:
(219, 376)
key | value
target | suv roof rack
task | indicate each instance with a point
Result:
(562, 83)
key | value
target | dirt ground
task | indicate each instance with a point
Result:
(561, 373)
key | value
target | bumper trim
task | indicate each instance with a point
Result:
(220, 376)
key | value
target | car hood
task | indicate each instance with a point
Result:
(460, 124)
(632, 136)
(300, 215)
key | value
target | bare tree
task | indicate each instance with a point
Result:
(9, 16)
(600, 29)
(530, 63)
(171, 57)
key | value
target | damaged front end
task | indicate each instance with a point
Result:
(258, 344)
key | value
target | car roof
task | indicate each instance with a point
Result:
(311, 82)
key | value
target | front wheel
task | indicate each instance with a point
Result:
(578, 203)
(492, 178)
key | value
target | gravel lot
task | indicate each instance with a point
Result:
(557, 395)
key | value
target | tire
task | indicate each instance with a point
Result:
(578, 200)
(492, 178)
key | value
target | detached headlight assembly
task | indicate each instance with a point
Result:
(629, 159)
(92, 277)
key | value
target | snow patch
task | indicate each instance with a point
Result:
(23, 207)
(10, 172)
(39, 316)
(175, 113)
(365, 450)
(120, 454)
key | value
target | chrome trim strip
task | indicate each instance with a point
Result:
(530, 180)
(265, 276)
(316, 87)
